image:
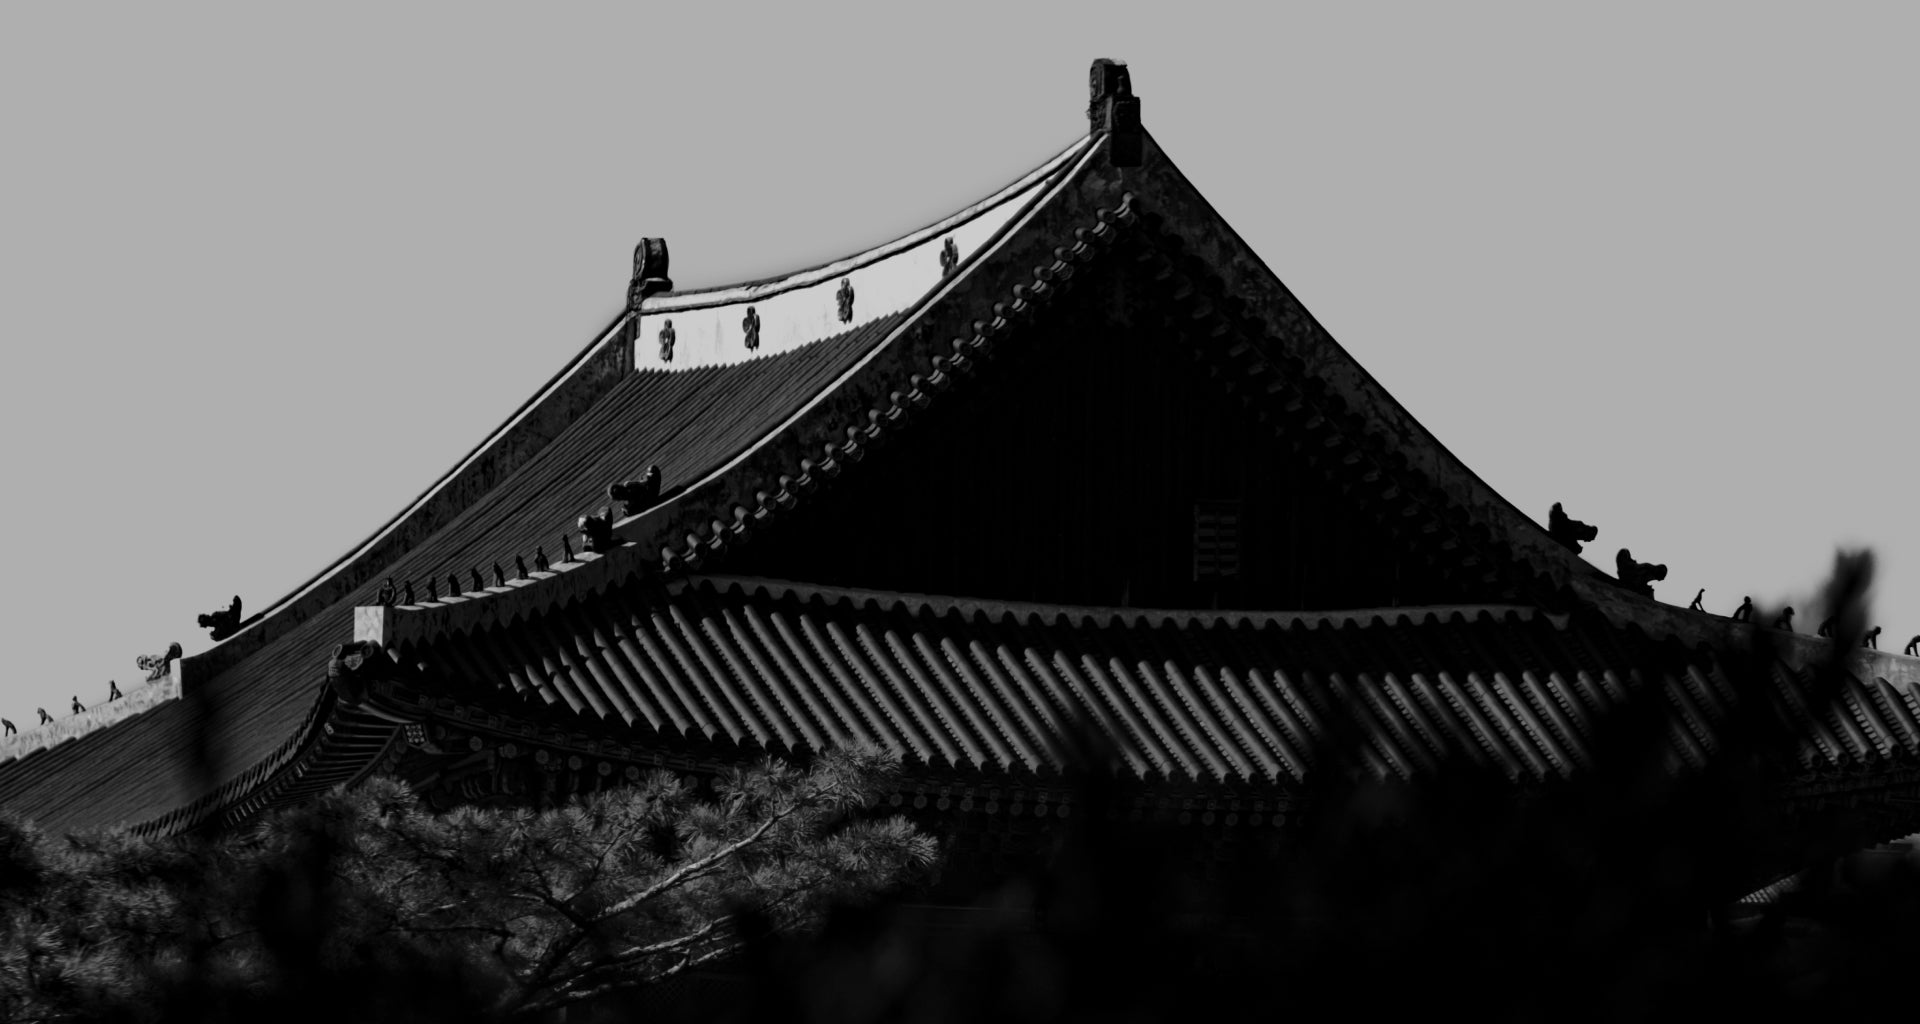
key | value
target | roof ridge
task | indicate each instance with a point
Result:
(760, 288)
(658, 523)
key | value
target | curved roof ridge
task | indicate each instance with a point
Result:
(578, 385)
(997, 609)
(741, 291)
(1347, 374)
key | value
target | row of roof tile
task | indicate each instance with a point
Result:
(1185, 696)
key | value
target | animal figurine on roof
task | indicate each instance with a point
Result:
(77, 706)
(1744, 613)
(1871, 639)
(1638, 575)
(1697, 606)
(636, 496)
(45, 719)
(1784, 620)
(113, 690)
(156, 665)
(387, 595)
(1913, 648)
(224, 623)
(11, 729)
(1569, 532)
(1826, 627)
(596, 532)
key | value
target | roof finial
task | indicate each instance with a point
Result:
(1114, 109)
(649, 272)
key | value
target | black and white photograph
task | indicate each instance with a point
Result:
(959, 512)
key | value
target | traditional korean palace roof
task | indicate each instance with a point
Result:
(1070, 459)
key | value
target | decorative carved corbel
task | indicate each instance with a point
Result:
(350, 669)
(845, 299)
(750, 328)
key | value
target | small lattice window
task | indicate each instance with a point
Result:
(1216, 540)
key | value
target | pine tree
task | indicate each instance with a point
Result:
(364, 905)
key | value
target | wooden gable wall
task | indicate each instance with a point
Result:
(1102, 465)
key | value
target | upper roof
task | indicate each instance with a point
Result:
(750, 396)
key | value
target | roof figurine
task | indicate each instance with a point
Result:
(387, 595)
(479, 582)
(1569, 532)
(520, 568)
(750, 329)
(77, 706)
(45, 719)
(636, 496)
(1826, 628)
(649, 273)
(1113, 108)
(11, 729)
(223, 623)
(113, 690)
(1784, 620)
(1639, 576)
(1744, 613)
(1695, 605)
(156, 665)
(1913, 647)
(1871, 639)
(406, 594)
(540, 563)
(596, 532)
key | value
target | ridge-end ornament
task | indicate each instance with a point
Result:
(649, 272)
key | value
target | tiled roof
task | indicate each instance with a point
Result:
(1218, 697)
(684, 421)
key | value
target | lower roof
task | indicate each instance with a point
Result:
(1207, 697)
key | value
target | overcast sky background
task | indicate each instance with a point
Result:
(268, 274)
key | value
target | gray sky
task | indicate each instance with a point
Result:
(268, 274)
